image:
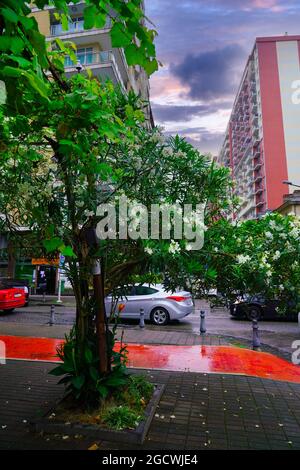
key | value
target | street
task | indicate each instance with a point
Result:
(34, 321)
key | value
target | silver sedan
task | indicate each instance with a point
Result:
(160, 306)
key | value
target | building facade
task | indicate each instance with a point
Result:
(291, 204)
(262, 142)
(94, 51)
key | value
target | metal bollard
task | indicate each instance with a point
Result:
(44, 297)
(52, 315)
(255, 339)
(142, 318)
(202, 322)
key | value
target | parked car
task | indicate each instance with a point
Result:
(11, 298)
(160, 306)
(258, 308)
(19, 283)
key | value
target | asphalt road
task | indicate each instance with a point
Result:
(278, 334)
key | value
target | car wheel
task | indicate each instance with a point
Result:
(160, 316)
(254, 313)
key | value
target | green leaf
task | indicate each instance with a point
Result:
(151, 66)
(10, 15)
(57, 371)
(89, 16)
(11, 71)
(28, 23)
(78, 381)
(104, 391)
(67, 251)
(53, 244)
(24, 63)
(100, 20)
(88, 355)
(120, 37)
(5, 43)
(64, 21)
(16, 45)
(38, 42)
(115, 381)
(94, 373)
(37, 83)
(134, 55)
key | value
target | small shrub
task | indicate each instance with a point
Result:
(136, 393)
(140, 384)
(81, 375)
(121, 417)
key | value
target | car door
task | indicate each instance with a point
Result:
(142, 297)
(120, 298)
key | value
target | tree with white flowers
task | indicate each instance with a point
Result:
(247, 257)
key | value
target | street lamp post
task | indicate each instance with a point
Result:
(289, 183)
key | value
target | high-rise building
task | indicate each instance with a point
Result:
(262, 142)
(94, 50)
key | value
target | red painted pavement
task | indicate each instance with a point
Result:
(209, 359)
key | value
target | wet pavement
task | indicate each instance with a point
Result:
(198, 358)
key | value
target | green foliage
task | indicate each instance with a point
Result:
(23, 54)
(252, 257)
(137, 393)
(121, 417)
(81, 375)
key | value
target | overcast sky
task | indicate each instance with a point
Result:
(204, 45)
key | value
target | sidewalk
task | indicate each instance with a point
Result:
(197, 411)
(148, 335)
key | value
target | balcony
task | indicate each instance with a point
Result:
(258, 190)
(103, 65)
(257, 166)
(257, 178)
(73, 27)
(254, 120)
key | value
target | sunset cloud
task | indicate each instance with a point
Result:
(204, 45)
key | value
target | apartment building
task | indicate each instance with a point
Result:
(94, 50)
(262, 141)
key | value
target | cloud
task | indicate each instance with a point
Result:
(200, 137)
(211, 74)
(197, 29)
(169, 113)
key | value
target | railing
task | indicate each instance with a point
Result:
(93, 58)
(90, 58)
(73, 27)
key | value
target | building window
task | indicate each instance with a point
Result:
(84, 55)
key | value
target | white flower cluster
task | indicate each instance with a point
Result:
(148, 250)
(243, 259)
(174, 247)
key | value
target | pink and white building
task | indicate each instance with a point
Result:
(262, 143)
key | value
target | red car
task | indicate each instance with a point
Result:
(11, 298)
